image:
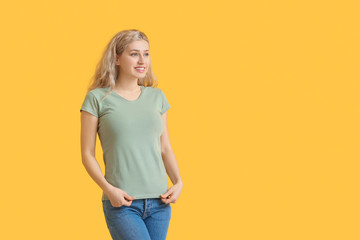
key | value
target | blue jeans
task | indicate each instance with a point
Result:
(144, 219)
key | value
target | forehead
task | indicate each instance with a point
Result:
(137, 46)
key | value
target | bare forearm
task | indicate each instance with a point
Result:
(94, 170)
(171, 166)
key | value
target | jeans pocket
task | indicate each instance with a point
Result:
(161, 203)
(109, 205)
(112, 212)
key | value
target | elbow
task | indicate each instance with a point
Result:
(86, 156)
(165, 150)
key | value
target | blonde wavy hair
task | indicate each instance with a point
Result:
(107, 72)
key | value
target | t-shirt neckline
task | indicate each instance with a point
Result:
(130, 101)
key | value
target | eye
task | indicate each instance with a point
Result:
(147, 54)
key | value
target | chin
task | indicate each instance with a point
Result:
(141, 74)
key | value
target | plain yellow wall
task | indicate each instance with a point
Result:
(264, 117)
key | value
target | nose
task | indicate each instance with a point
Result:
(141, 59)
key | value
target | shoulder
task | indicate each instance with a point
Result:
(153, 91)
(99, 93)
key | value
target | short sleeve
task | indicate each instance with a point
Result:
(90, 104)
(165, 103)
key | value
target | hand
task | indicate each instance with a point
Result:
(119, 197)
(172, 194)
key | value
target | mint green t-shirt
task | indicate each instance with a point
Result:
(129, 132)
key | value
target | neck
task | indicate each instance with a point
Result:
(127, 86)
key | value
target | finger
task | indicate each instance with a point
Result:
(169, 200)
(128, 197)
(169, 197)
(127, 203)
(167, 193)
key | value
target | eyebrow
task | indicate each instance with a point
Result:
(138, 50)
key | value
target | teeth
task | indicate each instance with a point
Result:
(140, 68)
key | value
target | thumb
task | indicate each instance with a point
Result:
(165, 195)
(169, 191)
(129, 197)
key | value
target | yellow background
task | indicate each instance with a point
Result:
(264, 117)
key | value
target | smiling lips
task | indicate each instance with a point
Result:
(140, 69)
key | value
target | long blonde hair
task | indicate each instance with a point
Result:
(107, 72)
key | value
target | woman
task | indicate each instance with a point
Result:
(130, 117)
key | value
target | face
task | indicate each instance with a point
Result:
(135, 60)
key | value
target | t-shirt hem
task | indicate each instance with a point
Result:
(138, 196)
(89, 111)
(165, 110)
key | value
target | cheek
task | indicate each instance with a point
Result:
(128, 63)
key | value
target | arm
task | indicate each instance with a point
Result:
(171, 166)
(117, 196)
(88, 140)
(168, 155)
